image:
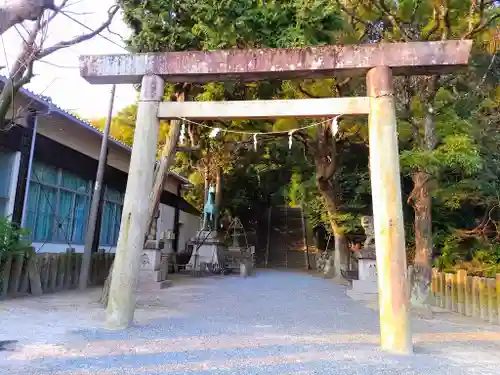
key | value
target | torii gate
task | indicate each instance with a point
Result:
(378, 61)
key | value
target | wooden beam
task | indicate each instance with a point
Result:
(261, 109)
(285, 63)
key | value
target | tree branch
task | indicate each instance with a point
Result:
(55, 13)
(22, 71)
(352, 14)
(396, 22)
(416, 5)
(445, 19)
(9, 91)
(64, 44)
(26, 77)
(340, 86)
(304, 139)
(368, 25)
(307, 93)
(437, 22)
(482, 24)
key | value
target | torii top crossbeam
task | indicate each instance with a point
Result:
(257, 64)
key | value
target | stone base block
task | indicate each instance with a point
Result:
(358, 296)
(208, 253)
(151, 276)
(365, 286)
(146, 286)
(363, 290)
(164, 284)
(246, 269)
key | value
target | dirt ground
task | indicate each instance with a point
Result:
(273, 323)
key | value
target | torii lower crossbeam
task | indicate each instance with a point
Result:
(263, 109)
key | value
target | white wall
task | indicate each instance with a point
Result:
(166, 219)
(190, 225)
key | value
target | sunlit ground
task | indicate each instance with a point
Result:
(274, 323)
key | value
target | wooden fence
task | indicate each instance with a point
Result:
(474, 296)
(32, 273)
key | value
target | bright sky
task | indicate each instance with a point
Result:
(64, 84)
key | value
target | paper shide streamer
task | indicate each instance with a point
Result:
(290, 140)
(214, 132)
(335, 126)
(182, 136)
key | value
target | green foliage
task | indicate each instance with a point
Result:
(483, 261)
(463, 163)
(122, 125)
(208, 24)
(296, 190)
(11, 238)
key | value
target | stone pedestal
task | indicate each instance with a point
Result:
(329, 269)
(366, 287)
(154, 270)
(246, 269)
(154, 262)
(239, 259)
(208, 249)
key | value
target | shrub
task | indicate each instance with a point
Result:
(12, 238)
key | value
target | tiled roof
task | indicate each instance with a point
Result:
(49, 104)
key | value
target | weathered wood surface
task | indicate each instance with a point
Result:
(135, 215)
(16, 273)
(414, 58)
(473, 296)
(5, 274)
(34, 274)
(262, 109)
(385, 177)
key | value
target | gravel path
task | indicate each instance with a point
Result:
(274, 323)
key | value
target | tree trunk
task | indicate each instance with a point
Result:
(105, 289)
(166, 161)
(422, 269)
(219, 186)
(330, 195)
(341, 254)
(13, 12)
(207, 182)
(304, 235)
(20, 74)
(420, 278)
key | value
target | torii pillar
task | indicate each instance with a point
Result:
(378, 61)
